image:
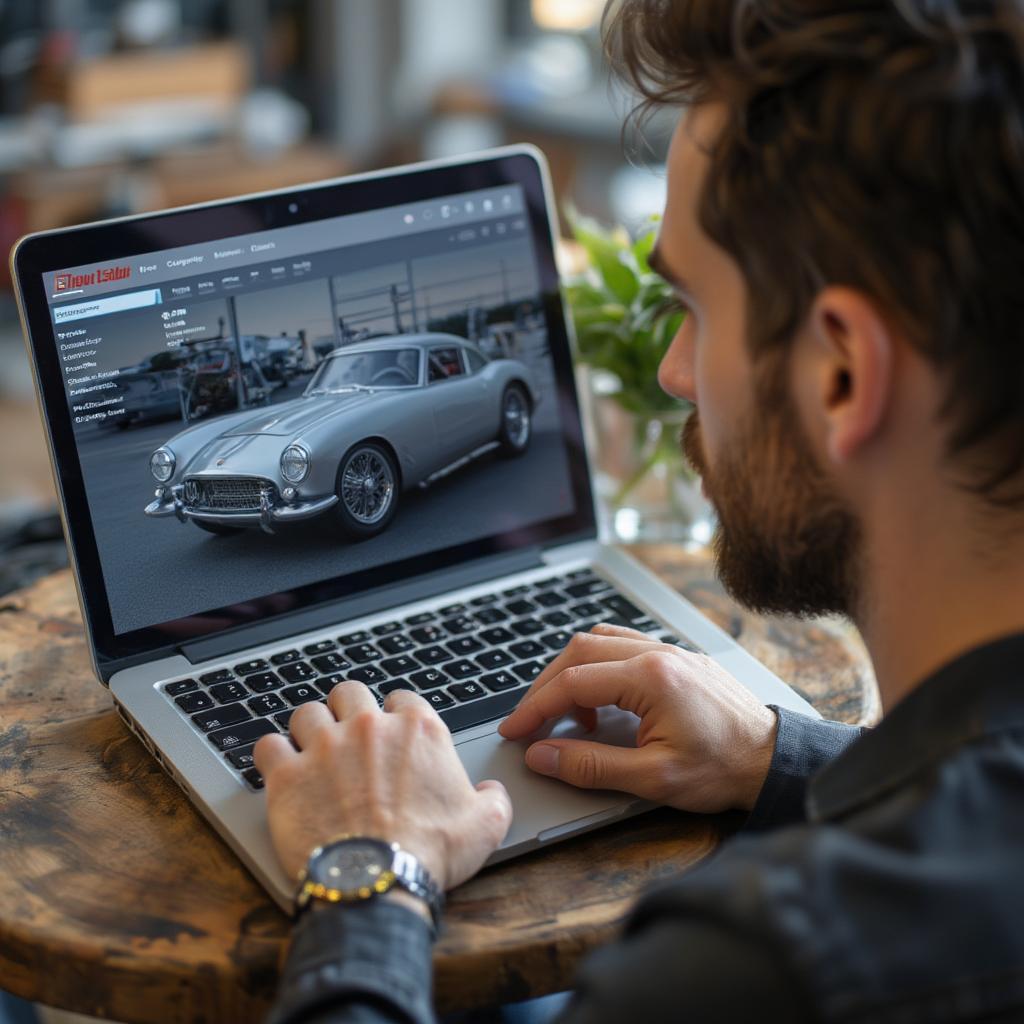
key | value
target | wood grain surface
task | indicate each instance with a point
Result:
(118, 900)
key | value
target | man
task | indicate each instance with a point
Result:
(845, 224)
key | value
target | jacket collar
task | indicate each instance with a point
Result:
(979, 693)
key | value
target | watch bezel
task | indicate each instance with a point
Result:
(313, 886)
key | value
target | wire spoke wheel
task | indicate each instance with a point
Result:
(515, 421)
(367, 486)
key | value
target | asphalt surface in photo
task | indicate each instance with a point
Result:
(161, 569)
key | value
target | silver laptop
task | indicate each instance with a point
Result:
(333, 433)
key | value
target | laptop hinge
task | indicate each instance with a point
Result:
(418, 589)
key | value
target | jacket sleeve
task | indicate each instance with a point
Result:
(365, 963)
(802, 746)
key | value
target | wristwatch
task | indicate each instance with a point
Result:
(354, 868)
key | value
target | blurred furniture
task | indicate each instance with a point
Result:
(117, 900)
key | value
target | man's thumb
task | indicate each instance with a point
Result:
(585, 764)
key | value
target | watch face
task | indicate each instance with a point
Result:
(352, 864)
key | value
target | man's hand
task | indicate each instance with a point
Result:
(704, 744)
(392, 774)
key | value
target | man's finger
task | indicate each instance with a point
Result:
(307, 721)
(608, 629)
(584, 649)
(595, 685)
(271, 752)
(404, 700)
(591, 765)
(496, 799)
(349, 698)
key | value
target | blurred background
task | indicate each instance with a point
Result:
(113, 107)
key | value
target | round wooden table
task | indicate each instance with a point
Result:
(118, 900)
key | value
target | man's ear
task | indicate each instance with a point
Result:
(854, 355)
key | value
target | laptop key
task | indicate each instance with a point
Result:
(395, 684)
(515, 591)
(529, 670)
(551, 581)
(528, 649)
(395, 644)
(362, 653)
(497, 635)
(327, 683)
(192, 702)
(247, 668)
(385, 628)
(241, 757)
(494, 659)
(320, 647)
(301, 694)
(466, 691)
(439, 700)
(359, 637)
(253, 778)
(520, 607)
(557, 640)
(527, 627)
(284, 718)
(464, 645)
(587, 610)
(261, 682)
(420, 618)
(284, 657)
(580, 574)
(483, 599)
(399, 665)
(333, 662)
(265, 704)
(429, 678)
(180, 686)
(221, 675)
(368, 674)
(498, 705)
(488, 616)
(242, 734)
(623, 607)
(218, 718)
(551, 599)
(461, 669)
(433, 655)
(428, 634)
(460, 624)
(227, 693)
(498, 681)
(558, 618)
(587, 587)
(452, 609)
(299, 672)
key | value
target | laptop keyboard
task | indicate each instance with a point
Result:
(471, 661)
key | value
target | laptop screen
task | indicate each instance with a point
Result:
(267, 419)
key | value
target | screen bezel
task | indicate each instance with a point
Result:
(108, 241)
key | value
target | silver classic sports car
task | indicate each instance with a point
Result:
(377, 418)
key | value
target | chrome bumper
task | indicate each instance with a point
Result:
(266, 517)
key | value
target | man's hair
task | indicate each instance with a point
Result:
(877, 144)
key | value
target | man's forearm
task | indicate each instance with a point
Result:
(802, 746)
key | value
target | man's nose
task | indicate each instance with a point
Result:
(675, 374)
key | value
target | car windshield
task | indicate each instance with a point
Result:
(384, 368)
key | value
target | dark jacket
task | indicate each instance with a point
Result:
(880, 878)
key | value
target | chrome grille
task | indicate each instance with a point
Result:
(231, 494)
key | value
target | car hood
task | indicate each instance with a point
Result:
(299, 415)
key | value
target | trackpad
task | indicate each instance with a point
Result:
(542, 807)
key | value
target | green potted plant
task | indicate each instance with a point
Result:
(625, 317)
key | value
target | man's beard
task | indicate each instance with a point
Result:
(785, 541)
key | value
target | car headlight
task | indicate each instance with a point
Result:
(294, 463)
(161, 464)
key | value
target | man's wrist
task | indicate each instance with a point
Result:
(402, 897)
(760, 753)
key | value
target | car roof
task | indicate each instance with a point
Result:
(423, 340)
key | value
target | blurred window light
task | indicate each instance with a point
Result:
(566, 15)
